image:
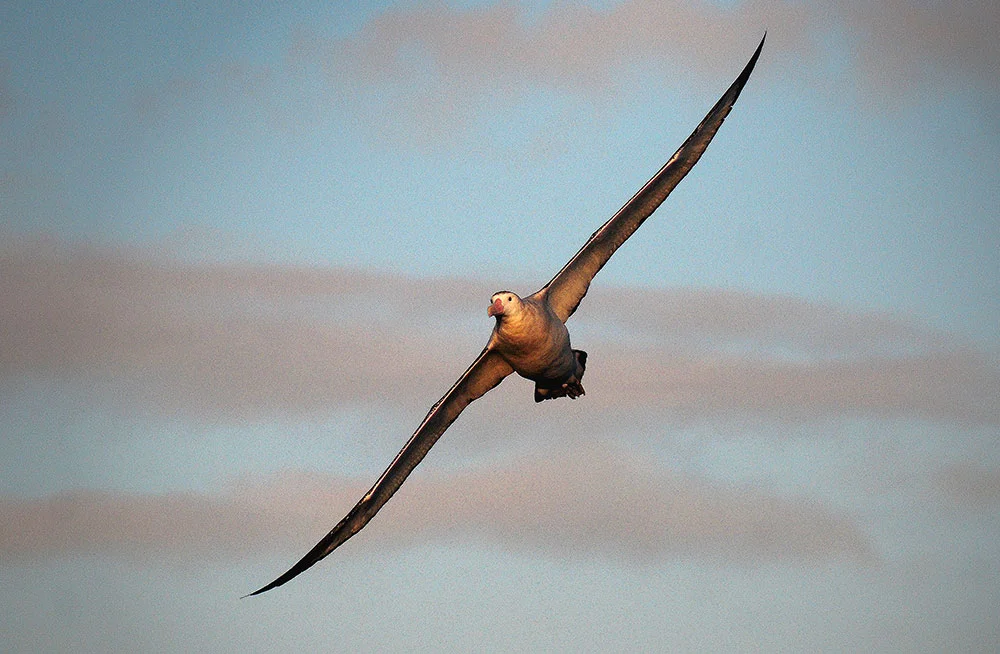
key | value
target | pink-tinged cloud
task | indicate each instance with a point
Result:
(955, 386)
(971, 484)
(564, 45)
(897, 41)
(448, 56)
(591, 503)
(893, 43)
(6, 97)
(212, 340)
(239, 342)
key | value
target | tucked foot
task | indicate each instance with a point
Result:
(571, 389)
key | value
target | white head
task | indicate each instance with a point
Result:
(503, 303)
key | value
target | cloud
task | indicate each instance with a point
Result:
(436, 63)
(6, 95)
(949, 386)
(567, 44)
(236, 342)
(971, 484)
(589, 503)
(897, 41)
(209, 340)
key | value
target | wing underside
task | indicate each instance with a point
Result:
(488, 370)
(569, 286)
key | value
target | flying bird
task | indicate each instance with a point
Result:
(530, 335)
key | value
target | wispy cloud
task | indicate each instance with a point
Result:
(971, 484)
(437, 62)
(897, 41)
(223, 342)
(6, 97)
(590, 503)
(566, 44)
(574, 45)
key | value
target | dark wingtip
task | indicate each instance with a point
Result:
(760, 47)
(259, 591)
(307, 561)
(745, 75)
(263, 589)
(728, 99)
(304, 563)
(337, 536)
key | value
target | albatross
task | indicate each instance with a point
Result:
(530, 335)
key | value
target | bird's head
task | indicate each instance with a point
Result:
(504, 303)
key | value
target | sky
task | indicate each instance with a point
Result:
(243, 249)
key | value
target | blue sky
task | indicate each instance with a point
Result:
(245, 249)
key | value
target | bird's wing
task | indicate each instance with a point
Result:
(485, 373)
(567, 288)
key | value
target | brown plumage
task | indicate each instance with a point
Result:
(530, 336)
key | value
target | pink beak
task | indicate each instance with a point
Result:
(496, 309)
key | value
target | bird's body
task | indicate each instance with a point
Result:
(530, 335)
